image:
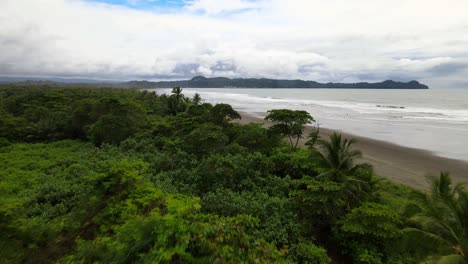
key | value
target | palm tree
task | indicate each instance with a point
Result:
(177, 91)
(177, 102)
(338, 157)
(442, 221)
(196, 99)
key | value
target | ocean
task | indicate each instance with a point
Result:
(435, 120)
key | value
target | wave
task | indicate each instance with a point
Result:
(361, 110)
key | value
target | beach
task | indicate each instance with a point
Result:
(396, 163)
(433, 120)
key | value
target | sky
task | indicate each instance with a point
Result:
(321, 40)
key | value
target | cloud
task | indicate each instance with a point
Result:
(215, 7)
(336, 40)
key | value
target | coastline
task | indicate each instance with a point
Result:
(396, 163)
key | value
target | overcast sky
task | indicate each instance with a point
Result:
(322, 40)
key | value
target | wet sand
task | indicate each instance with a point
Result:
(396, 163)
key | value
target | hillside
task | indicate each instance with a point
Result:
(221, 82)
(218, 82)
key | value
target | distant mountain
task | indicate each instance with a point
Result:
(221, 82)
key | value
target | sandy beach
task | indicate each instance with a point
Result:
(396, 163)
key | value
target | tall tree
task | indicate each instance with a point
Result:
(338, 160)
(338, 157)
(196, 100)
(177, 102)
(223, 113)
(289, 123)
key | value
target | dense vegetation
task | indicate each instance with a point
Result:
(124, 176)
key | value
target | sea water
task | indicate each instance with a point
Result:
(435, 120)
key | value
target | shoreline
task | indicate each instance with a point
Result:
(399, 164)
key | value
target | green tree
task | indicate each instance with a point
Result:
(223, 113)
(205, 139)
(368, 232)
(308, 253)
(320, 203)
(278, 220)
(295, 164)
(113, 129)
(139, 223)
(83, 117)
(255, 137)
(117, 120)
(289, 123)
(237, 172)
(196, 100)
(442, 221)
(338, 157)
(176, 103)
(338, 161)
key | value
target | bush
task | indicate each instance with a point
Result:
(368, 232)
(308, 253)
(4, 142)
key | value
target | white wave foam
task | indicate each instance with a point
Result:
(369, 110)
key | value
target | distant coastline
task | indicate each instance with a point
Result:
(218, 82)
(221, 82)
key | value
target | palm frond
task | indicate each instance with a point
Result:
(422, 236)
(443, 219)
(449, 259)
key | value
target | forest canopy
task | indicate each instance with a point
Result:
(91, 175)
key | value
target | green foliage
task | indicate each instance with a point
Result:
(295, 164)
(289, 123)
(309, 253)
(372, 220)
(168, 229)
(236, 172)
(4, 142)
(338, 157)
(44, 192)
(255, 137)
(442, 221)
(120, 121)
(223, 113)
(88, 194)
(176, 102)
(196, 99)
(278, 221)
(45, 114)
(126, 176)
(368, 232)
(338, 163)
(111, 129)
(205, 139)
(321, 203)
